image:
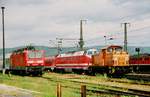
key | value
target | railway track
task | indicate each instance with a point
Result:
(129, 82)
(115, 90)
(129, 92)
(101, 88)
(119, 93)
(136, 76)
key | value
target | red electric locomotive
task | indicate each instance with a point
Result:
(27, 61)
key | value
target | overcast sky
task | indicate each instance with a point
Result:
(38, 21)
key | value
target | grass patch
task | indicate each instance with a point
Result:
(46, 85)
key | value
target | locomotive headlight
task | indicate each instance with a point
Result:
(29, 62)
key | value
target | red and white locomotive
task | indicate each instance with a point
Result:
(76, 60)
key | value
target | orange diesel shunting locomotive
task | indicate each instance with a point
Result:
(111, 57)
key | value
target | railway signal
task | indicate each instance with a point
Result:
(105, 40)
(138, 51)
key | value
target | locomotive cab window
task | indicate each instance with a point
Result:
(109, 50)
(38, 54)
(114, 48)
(91, 52)
(118, 49)
(31, 54)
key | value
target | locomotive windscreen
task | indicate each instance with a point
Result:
(35, 54)
(91, 52)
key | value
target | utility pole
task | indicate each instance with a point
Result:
(81, 42)
(3, 39)
(125, 36)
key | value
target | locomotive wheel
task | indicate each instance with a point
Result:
(111, 70)
(91, 71)
(105, 75)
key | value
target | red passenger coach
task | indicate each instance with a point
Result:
(75, 60)
(28, 61)
(143, 59)
(140, 63)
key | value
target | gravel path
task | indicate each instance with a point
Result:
(11, 91)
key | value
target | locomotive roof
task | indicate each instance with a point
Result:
(75, 53)
(71, 54)
(112, 46)
(25, 48)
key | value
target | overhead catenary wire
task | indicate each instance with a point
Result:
(137, 29)
(119, 35)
